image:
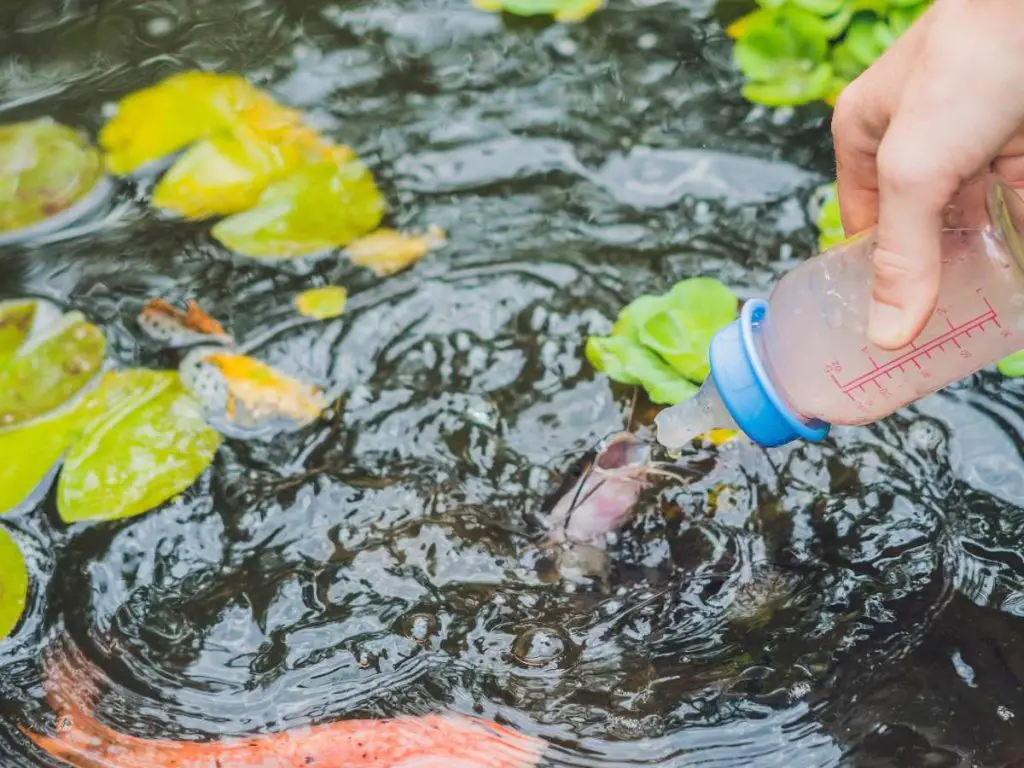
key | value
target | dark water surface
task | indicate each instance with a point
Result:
(856, 603)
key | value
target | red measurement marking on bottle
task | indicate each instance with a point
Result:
(937, 345)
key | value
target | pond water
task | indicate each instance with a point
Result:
(855, 603)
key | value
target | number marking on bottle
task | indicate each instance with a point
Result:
(951, 338)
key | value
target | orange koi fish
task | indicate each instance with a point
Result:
(72, 686)
(164, 322)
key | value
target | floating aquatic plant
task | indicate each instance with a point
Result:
(50, 176)
(387, 251)
(794, 52)
(142, 441)
(829, 222)
(661, 342)
(318, 208)
(322, 303)
(13, 583)
(561, 10)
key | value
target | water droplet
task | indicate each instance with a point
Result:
(161, 26)
(647, 41)
(539, 646)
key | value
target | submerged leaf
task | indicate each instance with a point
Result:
(319, 207)
(562, 10)
(45, 168)
(387, 251)
(50, 370)
(13, 583)
(322, 303)
(31, 452)
(162, 321)
(184, 108)
(246, 392)
(144, 442)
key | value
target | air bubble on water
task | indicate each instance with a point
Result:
(647, 41)
(925, 434)
(160, 26)
(539, 646)
(1005, 713)
(566, 46)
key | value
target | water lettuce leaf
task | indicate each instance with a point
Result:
(660, 342)
(322, 303)
(625, 360)
(50, 369)
(319, 207)
(13, 583)
(184, 108)
(143, 441)
(561, 10)
(387, 251)
(45, 168)
(830, 223)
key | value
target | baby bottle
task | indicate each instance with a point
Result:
(793, 365)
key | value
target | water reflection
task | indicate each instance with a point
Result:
(852, 603)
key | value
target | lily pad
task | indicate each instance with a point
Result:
(183, 109)
(49, 370)
(387, 251)
(144, 442)
(16, 318)
(322, 303)
(318, 208)
(32, 452)
(45, 169)
(561, 10)
(13, 583)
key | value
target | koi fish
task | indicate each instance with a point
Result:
(598, 499)
(247, 393)
(73, 684)
(164, 322)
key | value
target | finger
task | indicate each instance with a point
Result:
(957, 112)
(861, 116)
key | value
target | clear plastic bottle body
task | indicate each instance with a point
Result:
(814, 342)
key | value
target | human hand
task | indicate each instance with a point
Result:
(943, 104)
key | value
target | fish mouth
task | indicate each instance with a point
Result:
(623, 451)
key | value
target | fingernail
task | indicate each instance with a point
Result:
(885, 324)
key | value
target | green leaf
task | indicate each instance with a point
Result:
(830, 223)
(622, 359)
(862, 39)
(50, 369)
(30, 453)
(821, 7)
(562, 10)
(322, 303)
(45, 168)
(694, 311)
(793, 90)
(319, 207)
(145, 441)
(775, 48)
(1012, 366)
(13, 583)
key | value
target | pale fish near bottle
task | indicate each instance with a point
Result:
(792, 366)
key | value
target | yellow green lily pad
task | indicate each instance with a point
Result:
(45, 168)
(31, 452)
(561, 10)
(144, 442)
(49, 370)
(13, 583)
